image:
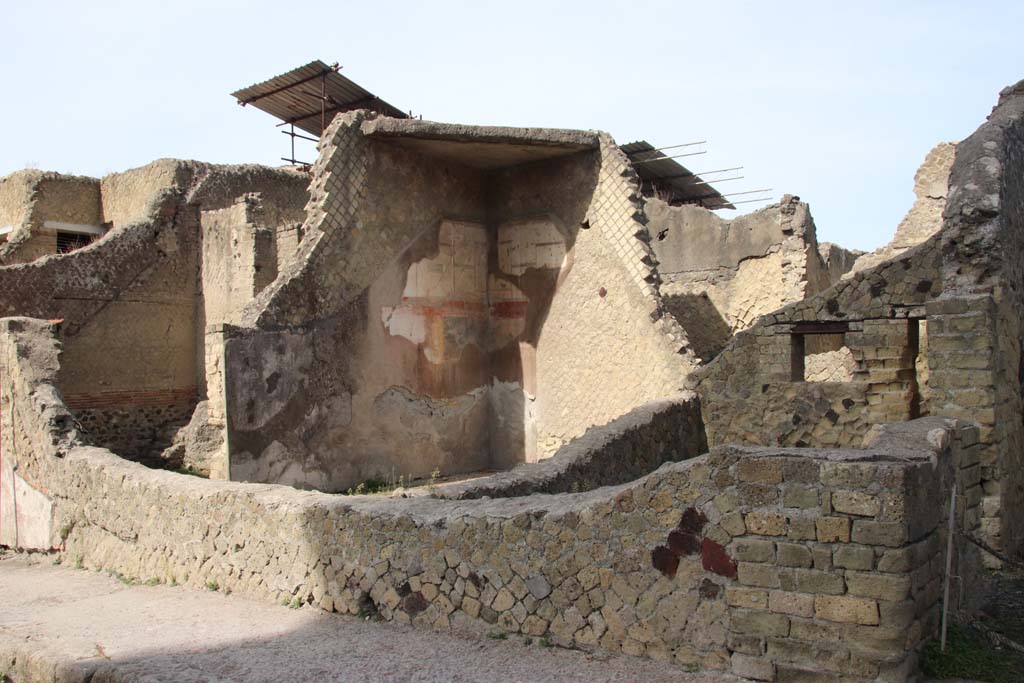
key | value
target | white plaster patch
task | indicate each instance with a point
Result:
(529, 243)
(451, 284)
(404, 322)
(458, 271)
(27, 513)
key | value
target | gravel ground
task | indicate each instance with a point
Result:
(68, 625)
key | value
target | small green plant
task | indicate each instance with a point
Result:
(575, 487)
(65, 530)
(152, 581)
(527, 641)
(57, 560)
(295, 603)
(78, 562)
(172, 582)
(284, 602)
(212, 586)
(545, 642)
(126, 580)
(497, 635)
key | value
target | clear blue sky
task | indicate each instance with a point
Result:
(835, 102)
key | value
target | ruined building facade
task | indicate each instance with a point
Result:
(741, 432)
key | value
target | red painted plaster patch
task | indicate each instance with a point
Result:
(714, 559)
(692, 521)
(665, 561)
(683, 543)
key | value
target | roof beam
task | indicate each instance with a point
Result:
(330, 110)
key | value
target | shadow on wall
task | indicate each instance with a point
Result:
(707, 329)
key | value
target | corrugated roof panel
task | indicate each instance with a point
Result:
(295, 96)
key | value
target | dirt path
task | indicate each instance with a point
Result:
(62, 624)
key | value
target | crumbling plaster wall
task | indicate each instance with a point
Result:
(775, 564)
(721, 275)
(32, 202)
(324, 395)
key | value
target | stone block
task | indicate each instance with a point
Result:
(854, 557)
(800, 496)
(765, 523)
(759, 623)
(759, 470)
(847, 474)
(793, 673)
(733, 524)
(803, 470)
(868, 532)
(758, 495)
(762, 575)
(881, 586)
(793, 555)
(748, 645)
(795, 604)
(811, 581)
(822, 557)
(808, 629)
(753, 550)
(845, 609)
(754, 668)
(855, 503)
(748, 598)
(832, 529)
(801, 528)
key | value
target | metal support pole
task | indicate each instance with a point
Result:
(323, 103)
(949, 564)
(293, 141)
(675, 156)
(661, 149)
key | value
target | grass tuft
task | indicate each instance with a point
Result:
(970, 655)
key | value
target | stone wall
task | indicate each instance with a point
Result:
(963, 282)
(720, 275)
(35, 203)
(772, 563)
(982, 227)
(131, 302)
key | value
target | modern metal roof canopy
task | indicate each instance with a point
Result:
(662, 175)
(308, 97)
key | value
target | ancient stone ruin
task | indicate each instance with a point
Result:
(618, 422)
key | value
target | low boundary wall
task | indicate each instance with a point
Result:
(776, 564)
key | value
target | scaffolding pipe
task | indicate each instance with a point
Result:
(675, 156)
